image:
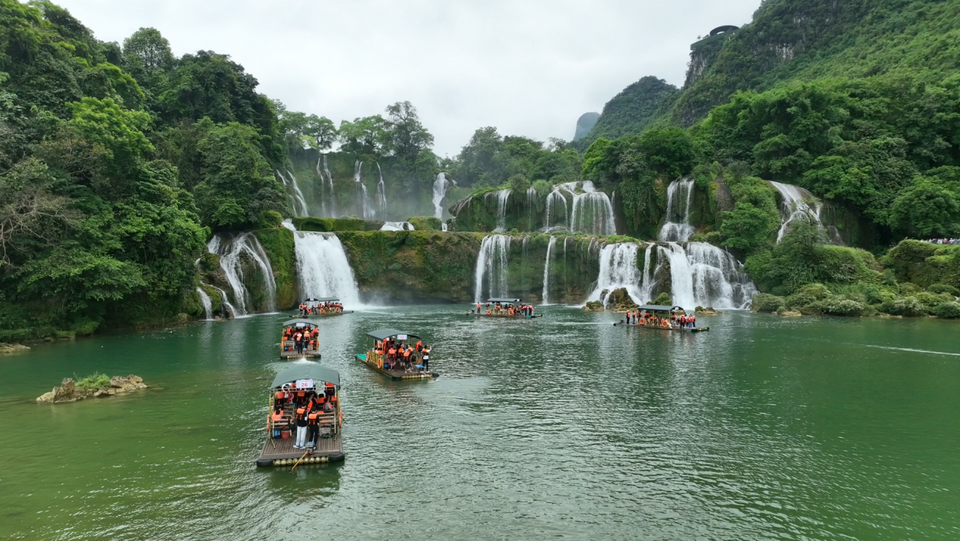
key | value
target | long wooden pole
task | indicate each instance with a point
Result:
(301, 458)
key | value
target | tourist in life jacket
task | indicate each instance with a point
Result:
(419, 346)
(693, 322)
(478, 307)
(425, 358)
(301, 422)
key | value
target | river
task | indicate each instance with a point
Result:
(560, 427)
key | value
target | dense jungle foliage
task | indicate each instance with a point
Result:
(118, 161)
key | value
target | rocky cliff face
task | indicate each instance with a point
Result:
(586, 123)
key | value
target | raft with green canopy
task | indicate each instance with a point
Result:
(322, 307)
(288, 343)
(292, 389)
(396, 367)
(508, 308)
(661, 319)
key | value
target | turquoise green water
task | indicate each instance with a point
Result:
(559, 427)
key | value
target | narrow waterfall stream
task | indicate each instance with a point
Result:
(492, 264)
(546, 270)
(330, 195)
(503, 197)
(439, 194)
(554, 200)
(381, 195)
(207, 303)
(323, 268)
(677, 227)
(233, 251)
(796, 203)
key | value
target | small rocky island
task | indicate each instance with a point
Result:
(96, 386)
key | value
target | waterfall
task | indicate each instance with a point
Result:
(554, 198)
(207, 304)
(700, 275)
(323, 268)
(326, 181)
(231, 251)
(381, 194)
(439, 193)
(397, 226)
(492, 263)
(297, 202)
(649, 279)
(794, 206)
(503, 196)
(592, 212)
(366, 210)
(546, 271)
(228, 308)
(618, 269)
(678, 228)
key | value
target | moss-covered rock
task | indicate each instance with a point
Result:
(278, 244)
(332, 225)
(948, 310)
(426, 223)
(924, 264)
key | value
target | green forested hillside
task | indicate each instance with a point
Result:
(632, 110)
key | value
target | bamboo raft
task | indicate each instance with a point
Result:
(279, 450)
(508, 316)
(288, 348)
(659, 328)
(397, 374)
(333, 314)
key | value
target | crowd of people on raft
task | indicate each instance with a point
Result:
(309, 411)
(505, 309)
(944, 241)
(403, 356)
(304, 339)
(682, 321)
(308, 309)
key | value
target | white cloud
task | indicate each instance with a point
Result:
(528, 67)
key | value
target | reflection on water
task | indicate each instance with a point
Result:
(563, 426)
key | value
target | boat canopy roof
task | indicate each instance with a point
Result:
(383, 334)
(655, 308)
(300, 322)
(502, 300)
(307, 371)
(323, 299)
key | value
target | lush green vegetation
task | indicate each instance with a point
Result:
(633, 110)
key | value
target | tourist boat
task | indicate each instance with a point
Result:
(317, 308)
(489, 309)
(288, 346)
(293, 388)
(377, 359)
(664, 313)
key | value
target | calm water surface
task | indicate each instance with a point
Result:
(564, 427)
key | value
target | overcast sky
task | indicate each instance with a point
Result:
(528, 67)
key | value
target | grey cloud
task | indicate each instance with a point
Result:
(528, 67)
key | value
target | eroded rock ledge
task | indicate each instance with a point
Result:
(68, 391)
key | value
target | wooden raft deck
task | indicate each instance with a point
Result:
(506, 316)
(655, 328)
(292, 354)
(397, 374)
(280, 452)
(311, 316)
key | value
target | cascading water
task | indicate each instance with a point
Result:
(492, 263)
(678, 228)
(503, 196)
(592, 212)
(701, 274)
(207, 304)
(381, 195)
(795, 204)
(297, 201)
(326, 181)
(555, 198)
(618, 269)
(531, 208)
(364, 208)
(323, 268)
(397, 226)
(439, 193)
(231, 251)
(546, 271)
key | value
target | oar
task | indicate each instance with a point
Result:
(301, 458)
